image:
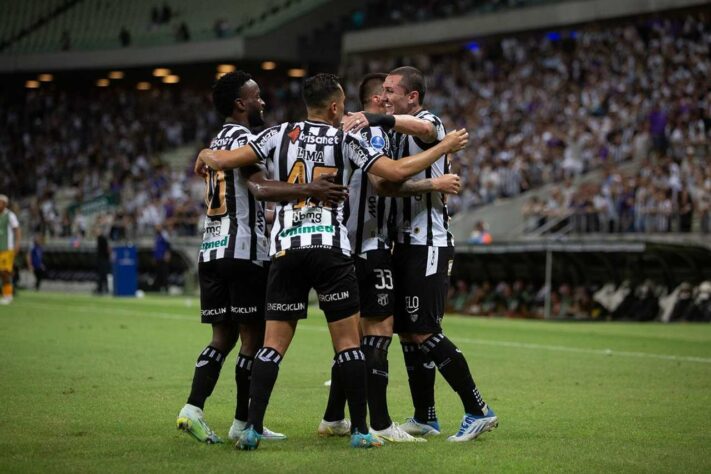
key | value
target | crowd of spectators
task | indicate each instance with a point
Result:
(381, 13)
(539, 109)
(543, 108)
(60, 149)
(669, 196)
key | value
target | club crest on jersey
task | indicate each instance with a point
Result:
(377, 142)
(294, 134)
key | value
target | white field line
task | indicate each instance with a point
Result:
(461, 340)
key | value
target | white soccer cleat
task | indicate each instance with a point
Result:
(415, 428)
(395, 434)
(472, 426)
(334, 428)
(191, 420)
(6, 300)
(238, 428)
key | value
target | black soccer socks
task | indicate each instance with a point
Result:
(351, 368)
(375, 349)
(243, 378)
(336, 406)
(455, 370)
(421, 377)
(207, 371)
(265, 370)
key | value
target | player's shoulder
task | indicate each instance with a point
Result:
(425, 114)
(375, 137)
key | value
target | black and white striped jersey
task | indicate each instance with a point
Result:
(423, 219)
(300, 152)
(235, 225)
(367, 212)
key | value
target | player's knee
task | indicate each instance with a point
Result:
(377, 326)
(224, 337)
(252, 336)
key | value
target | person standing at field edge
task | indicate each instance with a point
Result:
(9, 246)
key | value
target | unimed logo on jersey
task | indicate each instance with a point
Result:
(307, 229)
(216, 244)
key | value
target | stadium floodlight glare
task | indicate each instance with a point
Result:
(296, 72)
(225, 68)
(171, 79)
(45, 77)
(102, 83)
(32, 84)
(161, 72)
(116, 75)
(269, 65)
(143, 86)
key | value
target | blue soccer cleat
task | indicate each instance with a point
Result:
(365, 441)
(472, 426)
(248, 440)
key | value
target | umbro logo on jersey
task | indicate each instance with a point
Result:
(201, 363)
(294, 134)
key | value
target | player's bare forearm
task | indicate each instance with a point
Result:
(411, 125)
(405, 189)
(323, 189)
(276, 191)
(228, 159)
(18, 238)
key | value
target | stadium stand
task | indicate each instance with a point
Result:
(371, 14)
(597, 129)
(98, 24)
(543, 110)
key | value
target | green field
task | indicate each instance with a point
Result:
(94, 385)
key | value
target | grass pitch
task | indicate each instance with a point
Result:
(94, 385)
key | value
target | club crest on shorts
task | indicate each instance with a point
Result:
(383, 299)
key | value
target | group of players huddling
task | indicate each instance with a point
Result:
(360, 217)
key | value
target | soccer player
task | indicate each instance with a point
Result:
(422, 262)
(309, 242)
(370, 246)
(10, 235)
(233, 258)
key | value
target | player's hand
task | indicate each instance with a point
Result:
(326, 190)
(447, 184)
(200, 167)
(456, 140)
(354, 121)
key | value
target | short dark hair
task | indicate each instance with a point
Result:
(227, 89)
(369, 84)
(412, 80)
(319, 89)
